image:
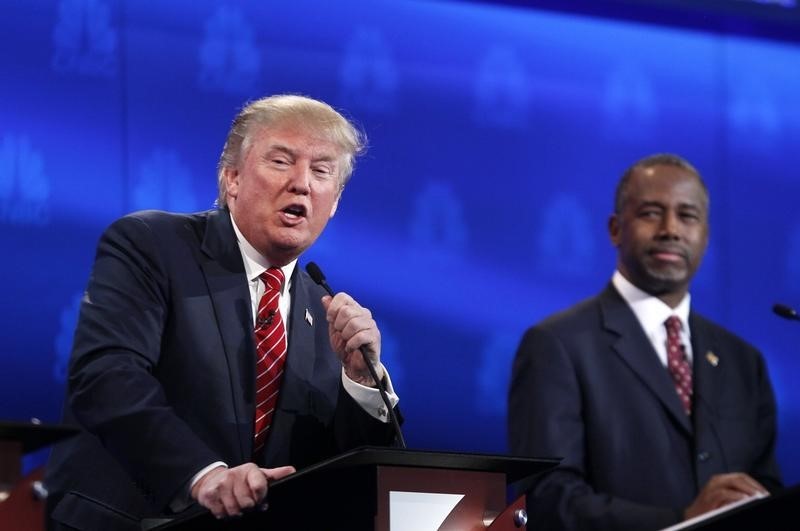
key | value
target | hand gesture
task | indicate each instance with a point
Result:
(227, 492)
(352, 327)
(723, 489)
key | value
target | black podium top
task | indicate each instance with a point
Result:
(515, 468)
(34, 436)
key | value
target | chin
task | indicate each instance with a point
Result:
(667, 272)
(291, 239)
(666, 284)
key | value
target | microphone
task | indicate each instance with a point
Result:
(786, 312)
(316, 275)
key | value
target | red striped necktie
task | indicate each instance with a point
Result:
(270, 354)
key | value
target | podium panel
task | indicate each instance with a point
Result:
(10, 465)
(23, 505)
(353, 491)
(484, 495)
(22, 499)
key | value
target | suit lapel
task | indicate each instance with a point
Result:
(705, 365)
(222, 266)
(300, 363)
(633, 346)
(708, 375)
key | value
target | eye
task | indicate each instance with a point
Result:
(322, 171)
(649, 213)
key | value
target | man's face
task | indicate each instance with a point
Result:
(662, 231)
(284, 189)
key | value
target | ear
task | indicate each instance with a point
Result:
(231, 176)
(335, 205)
(613, 229)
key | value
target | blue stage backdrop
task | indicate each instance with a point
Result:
(497, 134)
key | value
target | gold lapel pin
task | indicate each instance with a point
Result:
(712, 358)
(309, 318)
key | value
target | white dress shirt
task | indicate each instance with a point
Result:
(652, 312)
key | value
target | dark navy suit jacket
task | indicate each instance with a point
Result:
(162, 374)
(588, 386)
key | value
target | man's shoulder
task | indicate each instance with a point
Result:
(162, 223)
(162, 218)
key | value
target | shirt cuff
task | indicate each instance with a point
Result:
(184, 498)
(369, 398)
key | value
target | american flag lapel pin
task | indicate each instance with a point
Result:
(712, 358)
(309, 318)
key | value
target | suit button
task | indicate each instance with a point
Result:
(703, 456)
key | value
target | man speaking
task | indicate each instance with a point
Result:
(206, 363)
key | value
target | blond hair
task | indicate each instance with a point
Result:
(289, 108)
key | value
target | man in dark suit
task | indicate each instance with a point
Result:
(163, 377)
(641, 448)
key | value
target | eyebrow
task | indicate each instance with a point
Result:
(646, 204)
(281, 148)
(659, 204)
(292, 153)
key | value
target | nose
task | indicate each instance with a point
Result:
(669, 226)
(300, 180)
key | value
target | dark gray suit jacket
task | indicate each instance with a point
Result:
(162, 374)
(588, 386)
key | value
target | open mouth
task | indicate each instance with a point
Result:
(295, 211)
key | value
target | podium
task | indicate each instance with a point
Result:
(22, 499)
(778, 512)
(380, 489)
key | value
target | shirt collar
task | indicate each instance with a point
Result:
(254, 262)
(650, 310)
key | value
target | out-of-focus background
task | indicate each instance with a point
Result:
(497, 133)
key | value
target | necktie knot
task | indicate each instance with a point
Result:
(273, 278)
(674, 326)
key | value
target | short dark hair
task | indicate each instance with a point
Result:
(659, 159)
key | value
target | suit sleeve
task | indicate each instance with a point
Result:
(112, 388)
(354, 427)
(546, 420)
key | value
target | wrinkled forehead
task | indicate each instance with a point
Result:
(312, 129)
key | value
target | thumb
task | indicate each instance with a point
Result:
(274, 474)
